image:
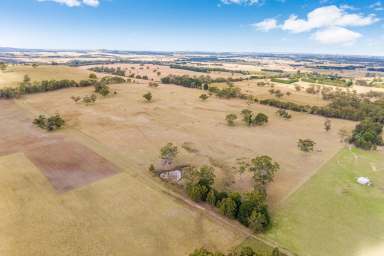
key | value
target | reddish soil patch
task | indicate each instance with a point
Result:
(70, 165)
(67, 165)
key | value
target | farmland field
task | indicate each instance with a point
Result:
(113, 210)
(332, 214)
(138, 130)
(15, 74)
(156, 72)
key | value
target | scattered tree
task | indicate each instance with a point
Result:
(92, 76)
(260, 119)
(76, 98)
(204, 97)
(147, 96)
(89, 99)
(102, 89)
(263, 169)
(284, 114)
(231, 119)
(151, 168)
(306, 145)
(327, 125)
(168, 153)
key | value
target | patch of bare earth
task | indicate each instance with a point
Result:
(66, 164)
(70, 165)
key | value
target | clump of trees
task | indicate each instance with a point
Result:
(207, 69)
(251, 119)
(50, 123)
(243, 251)
(250, 209)
(147, 96)
(367, 135)
(109, 70)
(283, 114)
(306, 145)
(186, 81)
(199, 182)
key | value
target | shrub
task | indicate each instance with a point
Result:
(231, 119)
(147, 96)
(203, 97)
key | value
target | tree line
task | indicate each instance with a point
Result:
(242, 251)
(207, 69)
(28, 87)
(109, 70)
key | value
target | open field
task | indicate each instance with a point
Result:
(151, 71)
(15, 74)
(333, 215)
(103, 215)
(137, 130)
(116, 216)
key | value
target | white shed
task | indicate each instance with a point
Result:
(363, 181)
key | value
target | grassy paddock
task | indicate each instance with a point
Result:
(332, 214)
(15, 74)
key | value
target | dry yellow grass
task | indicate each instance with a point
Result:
(151, 71)
(137, 130)
(121, 215)
(15, 74)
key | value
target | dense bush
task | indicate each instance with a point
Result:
(50, 124)
(109, 70)
(367, 135)
(249, 209)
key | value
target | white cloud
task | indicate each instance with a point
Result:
(75, 3)
(93, 3)
(266, 25)
(328, 16)
(378, 6)
(336, 35)
(242, 2)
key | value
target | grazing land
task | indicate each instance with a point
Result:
(177, 114)
(110, 215)
(15, 74)
(93, 186)
(333, 210)
(156, 72)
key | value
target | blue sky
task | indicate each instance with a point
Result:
(318, 26)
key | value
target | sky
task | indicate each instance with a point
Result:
(279, 26)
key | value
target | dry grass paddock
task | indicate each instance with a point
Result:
(151, 71)
(137, 130)
(96, 213)
(15, 74)
(121, 215)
